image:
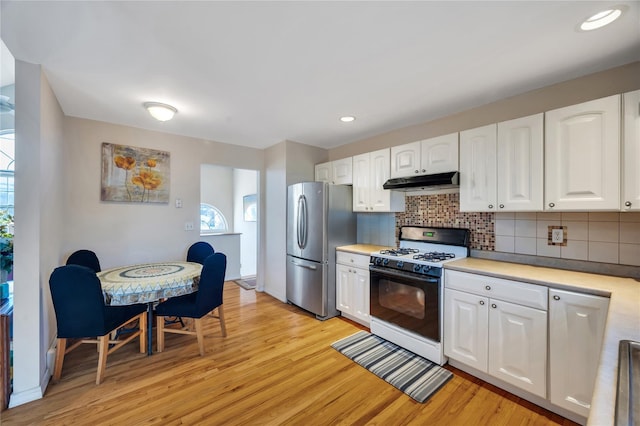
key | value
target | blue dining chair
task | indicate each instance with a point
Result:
(82, 315)
(199, 251)
(196, 305)
(84, 258)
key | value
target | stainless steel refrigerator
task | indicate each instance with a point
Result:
(319, 219)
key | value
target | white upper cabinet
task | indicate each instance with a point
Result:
(342, 171)
(370, 172)
(520, 164)
(405, 160)
(338, 172)
(631, 153)
(439, 154)
(430, 156)
(582, 156)
(478, 174)
(501, 166)
(323, 172)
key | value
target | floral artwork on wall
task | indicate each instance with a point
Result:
(134, 175)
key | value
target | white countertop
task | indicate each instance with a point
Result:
(623, 318)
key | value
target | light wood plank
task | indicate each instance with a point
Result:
(276, 366)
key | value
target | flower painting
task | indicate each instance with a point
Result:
(134, 175)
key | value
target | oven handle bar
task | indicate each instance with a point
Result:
(392, 273)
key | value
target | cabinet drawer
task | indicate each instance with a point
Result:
(351, 259)
(534, 296)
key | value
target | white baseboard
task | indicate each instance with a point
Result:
(29, 395)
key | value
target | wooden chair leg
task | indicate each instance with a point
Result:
(222, 324)
(143, 332)
(60, 351)
(200, 335)
(103, 348)
(160, 326)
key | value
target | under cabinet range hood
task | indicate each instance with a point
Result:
(424, 182)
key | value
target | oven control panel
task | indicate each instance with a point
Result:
(404, 265)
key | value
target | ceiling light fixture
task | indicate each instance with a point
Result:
(159, 111)
(347, 118)
(601, 19)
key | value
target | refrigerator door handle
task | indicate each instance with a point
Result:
(299, 222)
(305, 222)
(313, 268)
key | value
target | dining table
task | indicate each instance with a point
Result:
(149, 283)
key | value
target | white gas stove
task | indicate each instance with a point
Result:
(406, 288)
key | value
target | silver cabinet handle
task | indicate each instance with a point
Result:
(556, 297)
(627, 203)
(493, 305)
(424, 170)
(487, 287)
(482, 302)
(416, 171)
(501, 206)
(552, 205)
(490, 206)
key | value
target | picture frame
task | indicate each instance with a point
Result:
(134, 175)
(250, 208)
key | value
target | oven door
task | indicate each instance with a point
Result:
(410, 301)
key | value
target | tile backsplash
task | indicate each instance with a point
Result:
(608, 237)
(443, 210)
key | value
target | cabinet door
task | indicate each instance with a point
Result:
(361, 295)
(582, 156)
(631, 156)
(323, 172)
(518, 346)
(520, 152)
(466, 321)
(576, 329)
(361, 185)
(342, 171)
(343, 289)
(405, 160)
(478, 169)
(380, 199)
(439, 154)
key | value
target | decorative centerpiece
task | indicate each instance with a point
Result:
(6, 251)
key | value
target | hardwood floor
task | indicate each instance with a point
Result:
(276, 366)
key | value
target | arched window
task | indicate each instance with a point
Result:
(212, 219)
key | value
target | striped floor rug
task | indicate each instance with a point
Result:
(408, 372)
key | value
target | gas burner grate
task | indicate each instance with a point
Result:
(399, 251)
(434, 256)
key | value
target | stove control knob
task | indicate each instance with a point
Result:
(416, 268)
(400, 264)
(426, 269)
(378, 261)
(385, 262)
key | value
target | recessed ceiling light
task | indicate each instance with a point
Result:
(159, 111)
(347, 118)
(601, 19)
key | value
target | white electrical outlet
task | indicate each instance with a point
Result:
(188, 226)
(178, 203)
(557, 236)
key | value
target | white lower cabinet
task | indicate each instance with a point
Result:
(576, 330)
(352, 286)
(503, 339)
(499, 327)
(518, 346)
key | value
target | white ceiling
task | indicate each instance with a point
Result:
(257, 73)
